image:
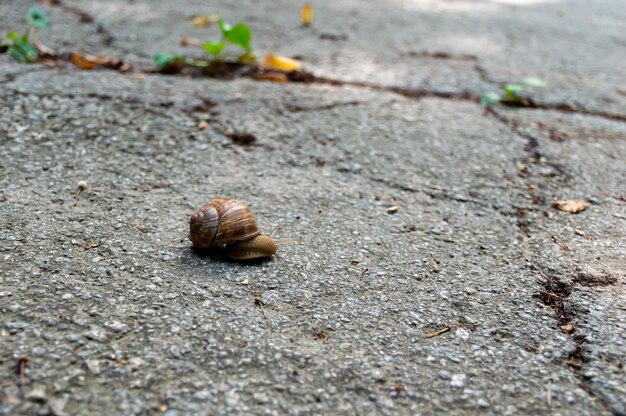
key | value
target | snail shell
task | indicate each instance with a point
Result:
(226, 223)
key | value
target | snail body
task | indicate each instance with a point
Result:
(228, 224)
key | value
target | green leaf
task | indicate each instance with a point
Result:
(224, 27)
(23, 52)
(36, 18)
(512, 90)
(213, 48)
(165, 60)
(534, 82)
(490, 99)
(12, 36)
(240, 35)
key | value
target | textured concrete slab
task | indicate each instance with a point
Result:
(471, 296)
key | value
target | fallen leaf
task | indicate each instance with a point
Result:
(306, 14)
(82, 63)
(205, 19)
(570, 205)
(281, 63)
(273, 77)
(88, 62)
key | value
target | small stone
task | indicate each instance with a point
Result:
(202, 395)
(135, 363)
(482, 403)
(39, 351)
(470, 290)
(260, 398)
(97, 334)
(393, 209)
(93, 366)
(37, 394)
(116, 326)
(57, 405)
(462, 334)
(458, 380)
(232, 399)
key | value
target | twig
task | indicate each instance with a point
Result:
(259, 303)
(561, 243)
(138, 227)
(22, 360)
(439, 332)
(363, 273)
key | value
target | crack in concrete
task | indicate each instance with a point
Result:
(555, 292)
(85, 17)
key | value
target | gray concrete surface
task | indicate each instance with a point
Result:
(118, 315)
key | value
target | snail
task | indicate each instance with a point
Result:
(228, 224)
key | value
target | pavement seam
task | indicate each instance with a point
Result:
(85, 17)
(554, 292)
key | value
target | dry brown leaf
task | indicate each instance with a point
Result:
(88, 62)
(306, 14)
(281, 63)
(570, 205)
(273, 77)
(205, 19)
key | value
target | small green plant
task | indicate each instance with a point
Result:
(166, 61)
(511, 93)
(21, 47)
(239, 35)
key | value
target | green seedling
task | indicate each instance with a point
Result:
(238, 35)
(167, 62)
(510, 94)
(21, 47)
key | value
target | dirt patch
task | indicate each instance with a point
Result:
(592, 280)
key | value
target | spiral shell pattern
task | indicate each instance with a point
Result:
(220, 222)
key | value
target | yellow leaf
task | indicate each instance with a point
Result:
(205, 19)
(281, 63)
(306, 14)
(570, 205)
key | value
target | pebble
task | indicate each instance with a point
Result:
(37, 394)
(97, 334)
(458, 380)
(93, 366)
(116, 326)
(462, 334)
